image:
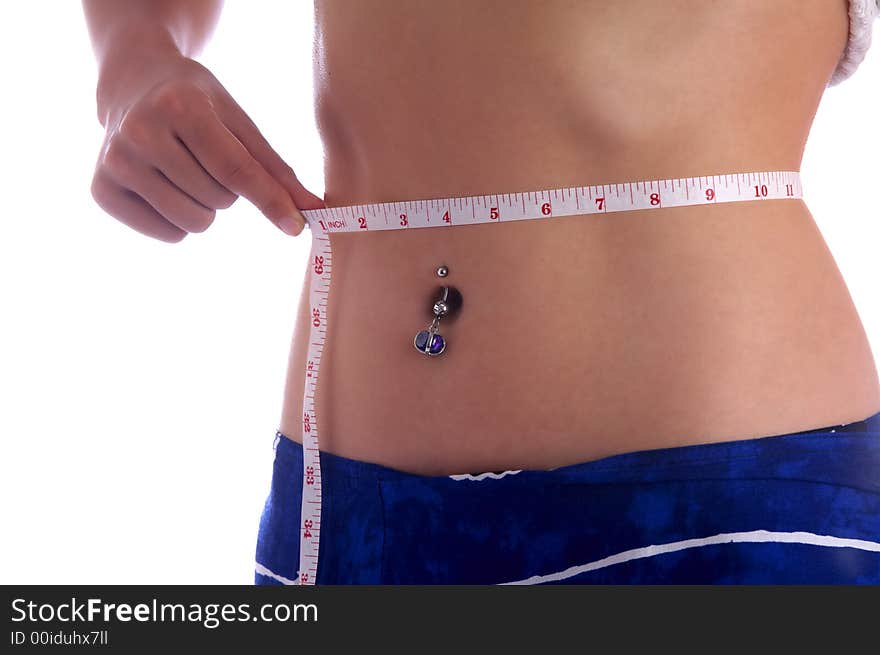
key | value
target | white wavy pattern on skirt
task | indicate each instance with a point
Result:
(262, 570)
(755, 536)
(483, 476)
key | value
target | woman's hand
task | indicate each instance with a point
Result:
(178, 147)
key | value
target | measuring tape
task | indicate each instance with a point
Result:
(442, 212)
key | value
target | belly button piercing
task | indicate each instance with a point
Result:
(429, 341)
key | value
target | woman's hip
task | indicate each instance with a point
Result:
(796, 508)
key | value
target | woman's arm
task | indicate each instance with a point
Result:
(125, 34)
(177, 146)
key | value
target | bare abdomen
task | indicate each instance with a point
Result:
(587, 336)
(594, 336)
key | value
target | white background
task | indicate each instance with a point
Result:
(141, 382)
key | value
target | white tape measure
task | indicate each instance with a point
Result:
(441, 212)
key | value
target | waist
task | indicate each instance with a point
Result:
(583, 337)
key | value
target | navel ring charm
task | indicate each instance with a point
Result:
(429, 341)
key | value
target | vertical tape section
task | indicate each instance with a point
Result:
(320, 266)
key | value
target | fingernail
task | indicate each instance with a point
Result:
(291, 225)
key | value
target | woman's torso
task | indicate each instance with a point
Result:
(640, 330)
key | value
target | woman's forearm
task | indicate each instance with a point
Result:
(188, 23)
(128, 36)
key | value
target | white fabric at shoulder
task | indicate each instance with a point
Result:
(861, 23)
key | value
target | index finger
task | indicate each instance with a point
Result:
(228, 161)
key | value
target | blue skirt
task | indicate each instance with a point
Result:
(786, 509)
